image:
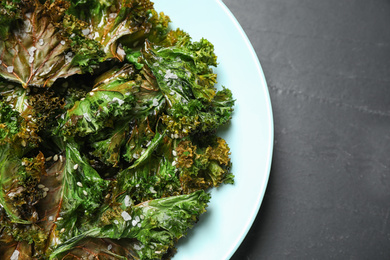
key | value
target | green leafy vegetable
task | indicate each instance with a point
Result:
(155, 225)
(108, 130)
(45, 45)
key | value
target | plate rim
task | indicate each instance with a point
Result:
(270, 125)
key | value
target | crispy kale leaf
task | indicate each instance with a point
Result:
(111, 23)
(202, 167)
(17, 127)
(77, 192)
(183, 73)
(10, 12)
(155, 225)
(45, 45)
(19, 190)
(110, 99)
(24, 116)
(15, 250)
(103, 248)
(183, 69)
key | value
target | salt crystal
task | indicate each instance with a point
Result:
(170, 75)
(68, 59)
(10, 69)
(32, 50)
(85, 31)
(120, 102)
(127, 201)
(86, 116)
(15, 255)
(121, 52)
(125, 216)
(41, 42)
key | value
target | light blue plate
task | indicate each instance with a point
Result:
(233, 208)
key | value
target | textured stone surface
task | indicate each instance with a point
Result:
(327, 65)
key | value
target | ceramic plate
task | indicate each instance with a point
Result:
(233, 208)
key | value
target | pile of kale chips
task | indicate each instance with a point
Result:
(108, 123)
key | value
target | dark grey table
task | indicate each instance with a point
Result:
(327, 65)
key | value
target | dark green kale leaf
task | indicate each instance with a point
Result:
(183, 72)
(203, 167)
(103, 248)
(76, 193)
(45, 45)
(113, 22)
(110, 99)
(155, 225)
(18, 128)
(132, 132)
(10, 13)
(196, 116)
(19, 180)
(25, 116)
